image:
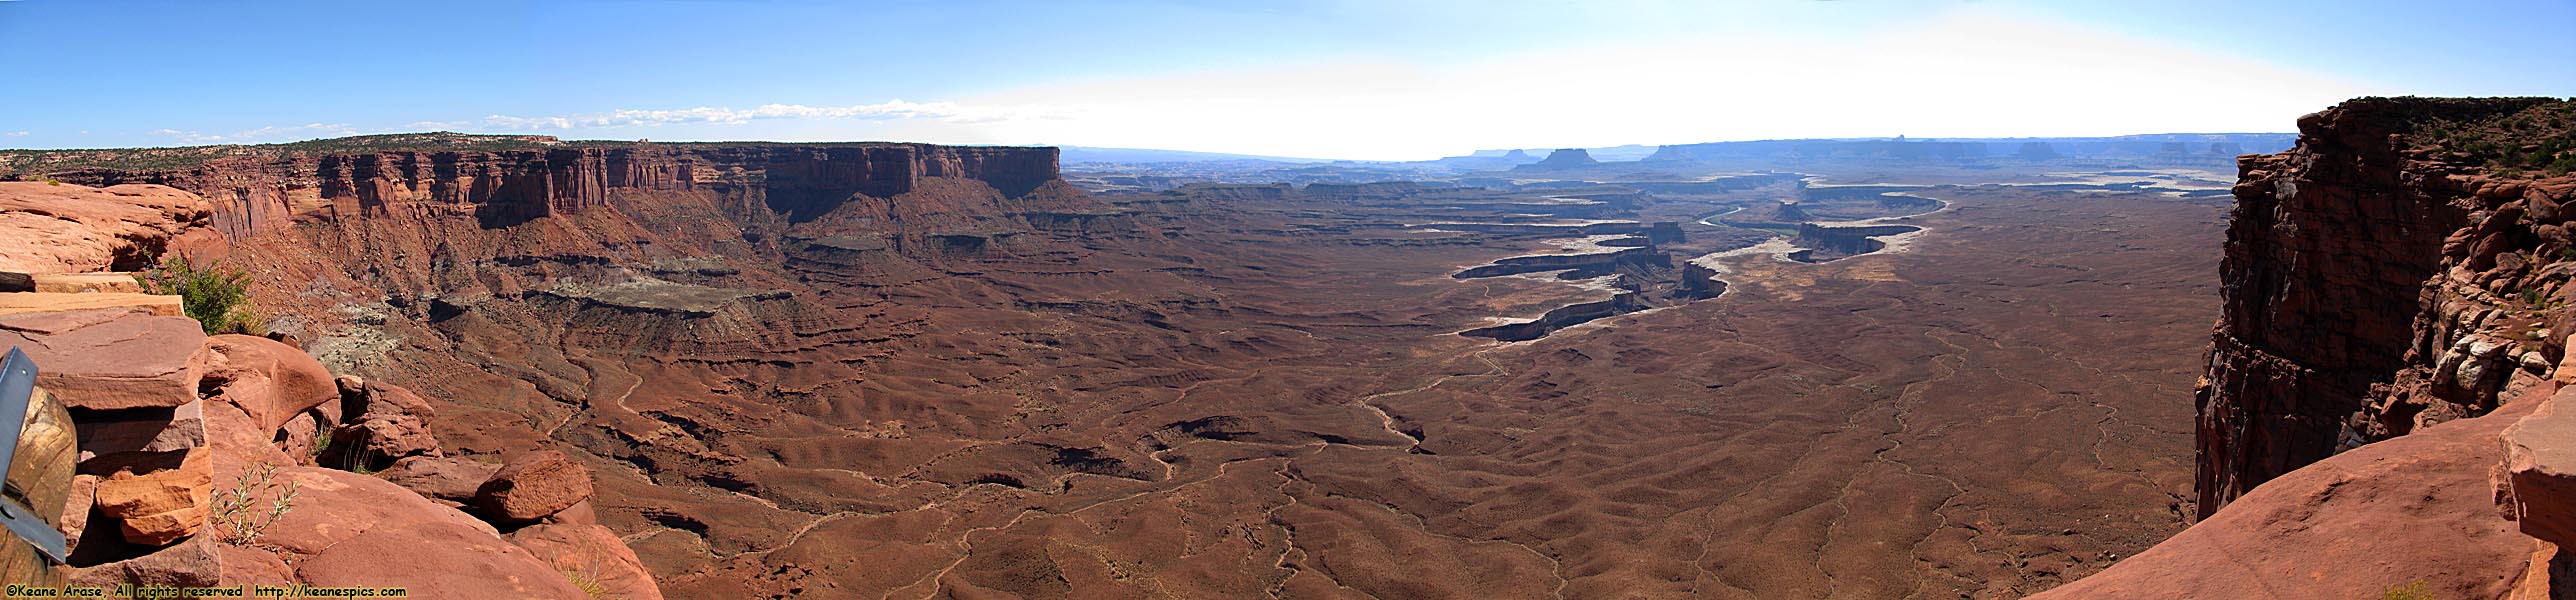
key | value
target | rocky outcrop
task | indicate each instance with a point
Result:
(2539, 473)
(355, 530)
(50, 227)
(270, 381)
(196, 469)
(1560, 318)
(109, 359)
(2418, 511)
(2386, 283)
(1592, 263)
(592, 557)
(532, 487)
(2376, 282)
(1824, 243)
(451, 480)
(251, 194)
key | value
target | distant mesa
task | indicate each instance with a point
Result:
(2038, 151)
(1565, 158)
(2180, 149)
(1487, 160)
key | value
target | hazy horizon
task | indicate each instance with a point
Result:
(1311, 79)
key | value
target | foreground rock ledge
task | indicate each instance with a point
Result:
(2419, 508)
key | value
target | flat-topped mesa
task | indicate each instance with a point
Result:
(2399, 267)
(255, 192)
(1562, 158)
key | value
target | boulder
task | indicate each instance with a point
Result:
(237, 441)
(159, 506)
(385, 423)
(109, 359)
(2540, 471)
(270, 381)
(592, 556)
(580, 513)
(451, 479)
(353, 530)
(56, 228)
(129, 493)
(164, 527)
(380, 440)
(533, 486)
(298, 436)
(16, 282)
(360, 399)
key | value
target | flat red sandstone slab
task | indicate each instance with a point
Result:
(74, 283)
(109, 358)
(45, 302)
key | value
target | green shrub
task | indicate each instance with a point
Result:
(216, 296)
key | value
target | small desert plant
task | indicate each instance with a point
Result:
(216, 296)
(590, 586)
(321, 445)
(2412, 590)
(237, 513)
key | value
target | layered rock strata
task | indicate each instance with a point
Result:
(2387, 285)
(253, 194)
(2376, 282)
(231, 459)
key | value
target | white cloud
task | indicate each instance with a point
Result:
(1973, 72)
(1976, 71)
(273, 133)
(19, 133)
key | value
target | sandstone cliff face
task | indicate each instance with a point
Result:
(2376, 281)
(253, 195)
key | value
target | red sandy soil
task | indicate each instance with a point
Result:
(1221, 395)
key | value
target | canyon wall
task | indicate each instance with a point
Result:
(255, 194)
(2381, 276)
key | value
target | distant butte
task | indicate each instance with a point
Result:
(1563, 158)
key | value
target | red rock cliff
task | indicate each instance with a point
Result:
(2377, 279)
(255, 194)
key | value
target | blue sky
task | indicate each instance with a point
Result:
(1326, 78)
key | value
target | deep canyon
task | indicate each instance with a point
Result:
(904, 370)
(1752, 370)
